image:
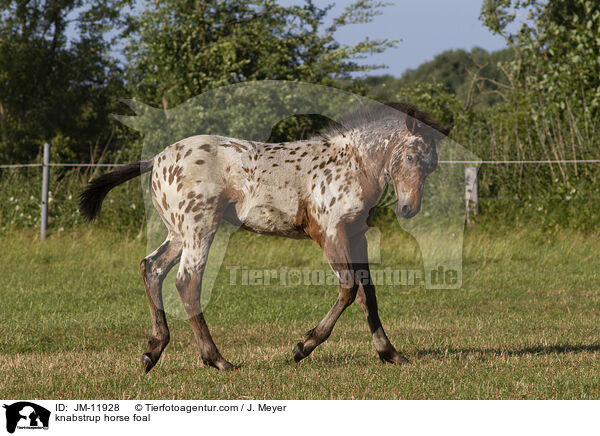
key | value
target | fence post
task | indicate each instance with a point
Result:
(471, 193)
(45, 180)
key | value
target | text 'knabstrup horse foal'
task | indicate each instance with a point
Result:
(323, 188)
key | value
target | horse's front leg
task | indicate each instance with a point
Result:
(337, 252)
(368, 301)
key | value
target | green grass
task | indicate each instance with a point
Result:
(74, 322)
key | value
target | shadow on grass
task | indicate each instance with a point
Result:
(549, 349)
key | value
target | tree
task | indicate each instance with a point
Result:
(473, 77)
(557, 48)
(57, 80)
(180, 48)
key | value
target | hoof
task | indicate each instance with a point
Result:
(394, 358)
(225, 366)
(298, 353)
(221, 364)
(147, 362)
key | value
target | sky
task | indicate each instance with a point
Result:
(425, 28)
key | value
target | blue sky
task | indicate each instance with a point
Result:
(425, 28)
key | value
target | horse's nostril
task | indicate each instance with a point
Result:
(405, 209)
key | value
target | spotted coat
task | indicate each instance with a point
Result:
(323, 188)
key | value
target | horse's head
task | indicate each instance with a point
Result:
(412, 159)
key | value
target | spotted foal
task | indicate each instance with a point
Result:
(324, 188)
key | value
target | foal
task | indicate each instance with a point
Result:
(324, 188)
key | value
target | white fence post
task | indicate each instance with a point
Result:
(471, 193)
(45, 180)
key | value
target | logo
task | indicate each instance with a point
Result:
(252, 112)
(26, 415)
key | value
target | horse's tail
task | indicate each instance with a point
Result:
(90, 200)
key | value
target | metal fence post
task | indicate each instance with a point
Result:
(45, 180)
(471, 193)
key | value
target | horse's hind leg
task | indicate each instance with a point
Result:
(189, 286)
(368, 301)
(154, 268)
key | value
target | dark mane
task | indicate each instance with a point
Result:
(414, 112)
(376, 111)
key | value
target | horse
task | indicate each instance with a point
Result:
(324, 188)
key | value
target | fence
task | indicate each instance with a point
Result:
(46, 164)
(471, 184)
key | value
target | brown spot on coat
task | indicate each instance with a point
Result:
(189, 206)
(306, 222)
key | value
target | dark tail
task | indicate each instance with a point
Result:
(90, 200)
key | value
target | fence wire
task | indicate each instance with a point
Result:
(471, 162)
(61, 165)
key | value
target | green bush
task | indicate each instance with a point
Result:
(123, 209)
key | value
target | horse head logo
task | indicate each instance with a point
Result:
(250, 110)
(25, 414)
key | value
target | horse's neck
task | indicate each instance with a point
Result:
(374, 149)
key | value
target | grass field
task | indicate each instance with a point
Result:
(74, 324)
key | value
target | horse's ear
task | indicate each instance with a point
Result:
(446, 129)
(412, 124)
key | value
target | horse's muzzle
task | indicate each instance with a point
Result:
(406, 211)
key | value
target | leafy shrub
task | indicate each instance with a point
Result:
(123, 209)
